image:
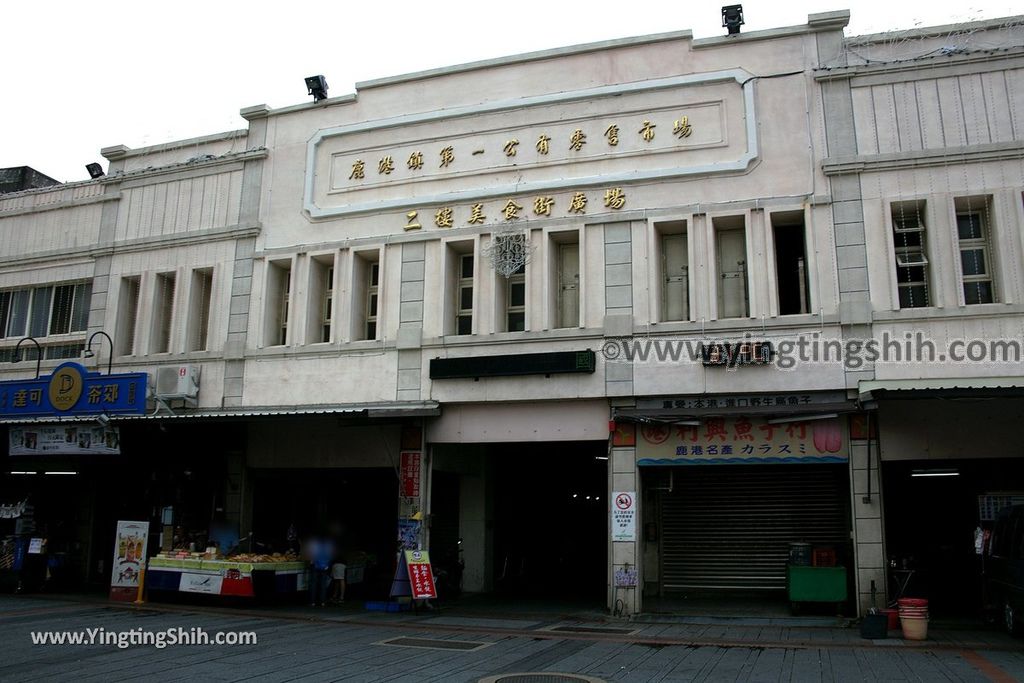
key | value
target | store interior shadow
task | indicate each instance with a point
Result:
(930, 529)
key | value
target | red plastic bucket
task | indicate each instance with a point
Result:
(912, 602)
(893, 616)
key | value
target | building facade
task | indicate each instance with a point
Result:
(546, 313)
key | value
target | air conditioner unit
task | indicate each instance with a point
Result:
(178, 381)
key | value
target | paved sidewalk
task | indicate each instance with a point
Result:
(353, 645)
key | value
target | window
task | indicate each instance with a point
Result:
(568, 274)
(675, 271)
(464, 296)
(372, 299)
(364, 298)
(320, 299)
(277, 303)
(908, 237)
(199, 309)
(790, 262)
(975, 256)
(163, 312)
(731, 244)
(43, 311)
(515, 301)
(285, 299)
(327, 305)
(14, 311)
(128, 310)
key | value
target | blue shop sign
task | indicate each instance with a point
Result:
(73, 390)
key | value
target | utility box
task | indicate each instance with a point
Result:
(178, 382)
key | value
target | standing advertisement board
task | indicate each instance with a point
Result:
(130, 545)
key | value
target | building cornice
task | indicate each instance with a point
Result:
(204, 162)
(916, 65)
(873, 163)
(66, 204)
(118, 152)
(66, 256)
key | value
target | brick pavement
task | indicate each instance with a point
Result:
(298, 644)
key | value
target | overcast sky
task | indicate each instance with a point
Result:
(79, 76)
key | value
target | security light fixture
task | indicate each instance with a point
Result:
(732, 18)
(95, 170)
(317, 86)
(936, 472)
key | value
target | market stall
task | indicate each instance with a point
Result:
(238, 575)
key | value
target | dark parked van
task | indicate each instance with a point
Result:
(1004, 567)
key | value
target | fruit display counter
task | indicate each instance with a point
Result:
(242, 575)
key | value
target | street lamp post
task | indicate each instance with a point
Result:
(89, 352)
(16, 358)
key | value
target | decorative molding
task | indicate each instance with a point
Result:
(230, 158)
(116, 152)
(176, 240)
(65, 256)
(981, 60)
(740, 76)
(66, 204)
(998, 151)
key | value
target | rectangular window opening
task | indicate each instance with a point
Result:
(128, 311)
(909, 238)
(791, 262)
(675, 271)
(278, 302)
(515, 301)
(731, 251)
(974, 236)
(163, 312)
(199, 309)
(464, 295)
(568, 274)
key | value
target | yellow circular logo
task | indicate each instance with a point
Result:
(65, 387)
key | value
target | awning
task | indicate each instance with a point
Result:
(940, 387)
(391, 409)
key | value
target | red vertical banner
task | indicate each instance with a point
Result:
(411, 461)
(421, 576)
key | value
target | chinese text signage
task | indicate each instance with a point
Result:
(724, 440)
(411, 473)
(624, 516)
(73, 390)
(421, 577)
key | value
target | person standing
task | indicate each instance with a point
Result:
(338, 570)
(320, 554)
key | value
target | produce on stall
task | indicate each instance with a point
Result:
(242, 574)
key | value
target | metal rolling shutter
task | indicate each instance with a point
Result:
(729, 528)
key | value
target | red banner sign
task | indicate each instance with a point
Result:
(411, 473)
(421, 576)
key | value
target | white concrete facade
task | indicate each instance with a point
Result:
(269, 237)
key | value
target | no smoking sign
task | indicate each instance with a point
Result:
(624, 516)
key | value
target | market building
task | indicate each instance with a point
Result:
(541, 313)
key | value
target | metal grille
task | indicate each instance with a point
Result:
(729, 528)
(434, 643)
(541, 678)
(595, 629)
